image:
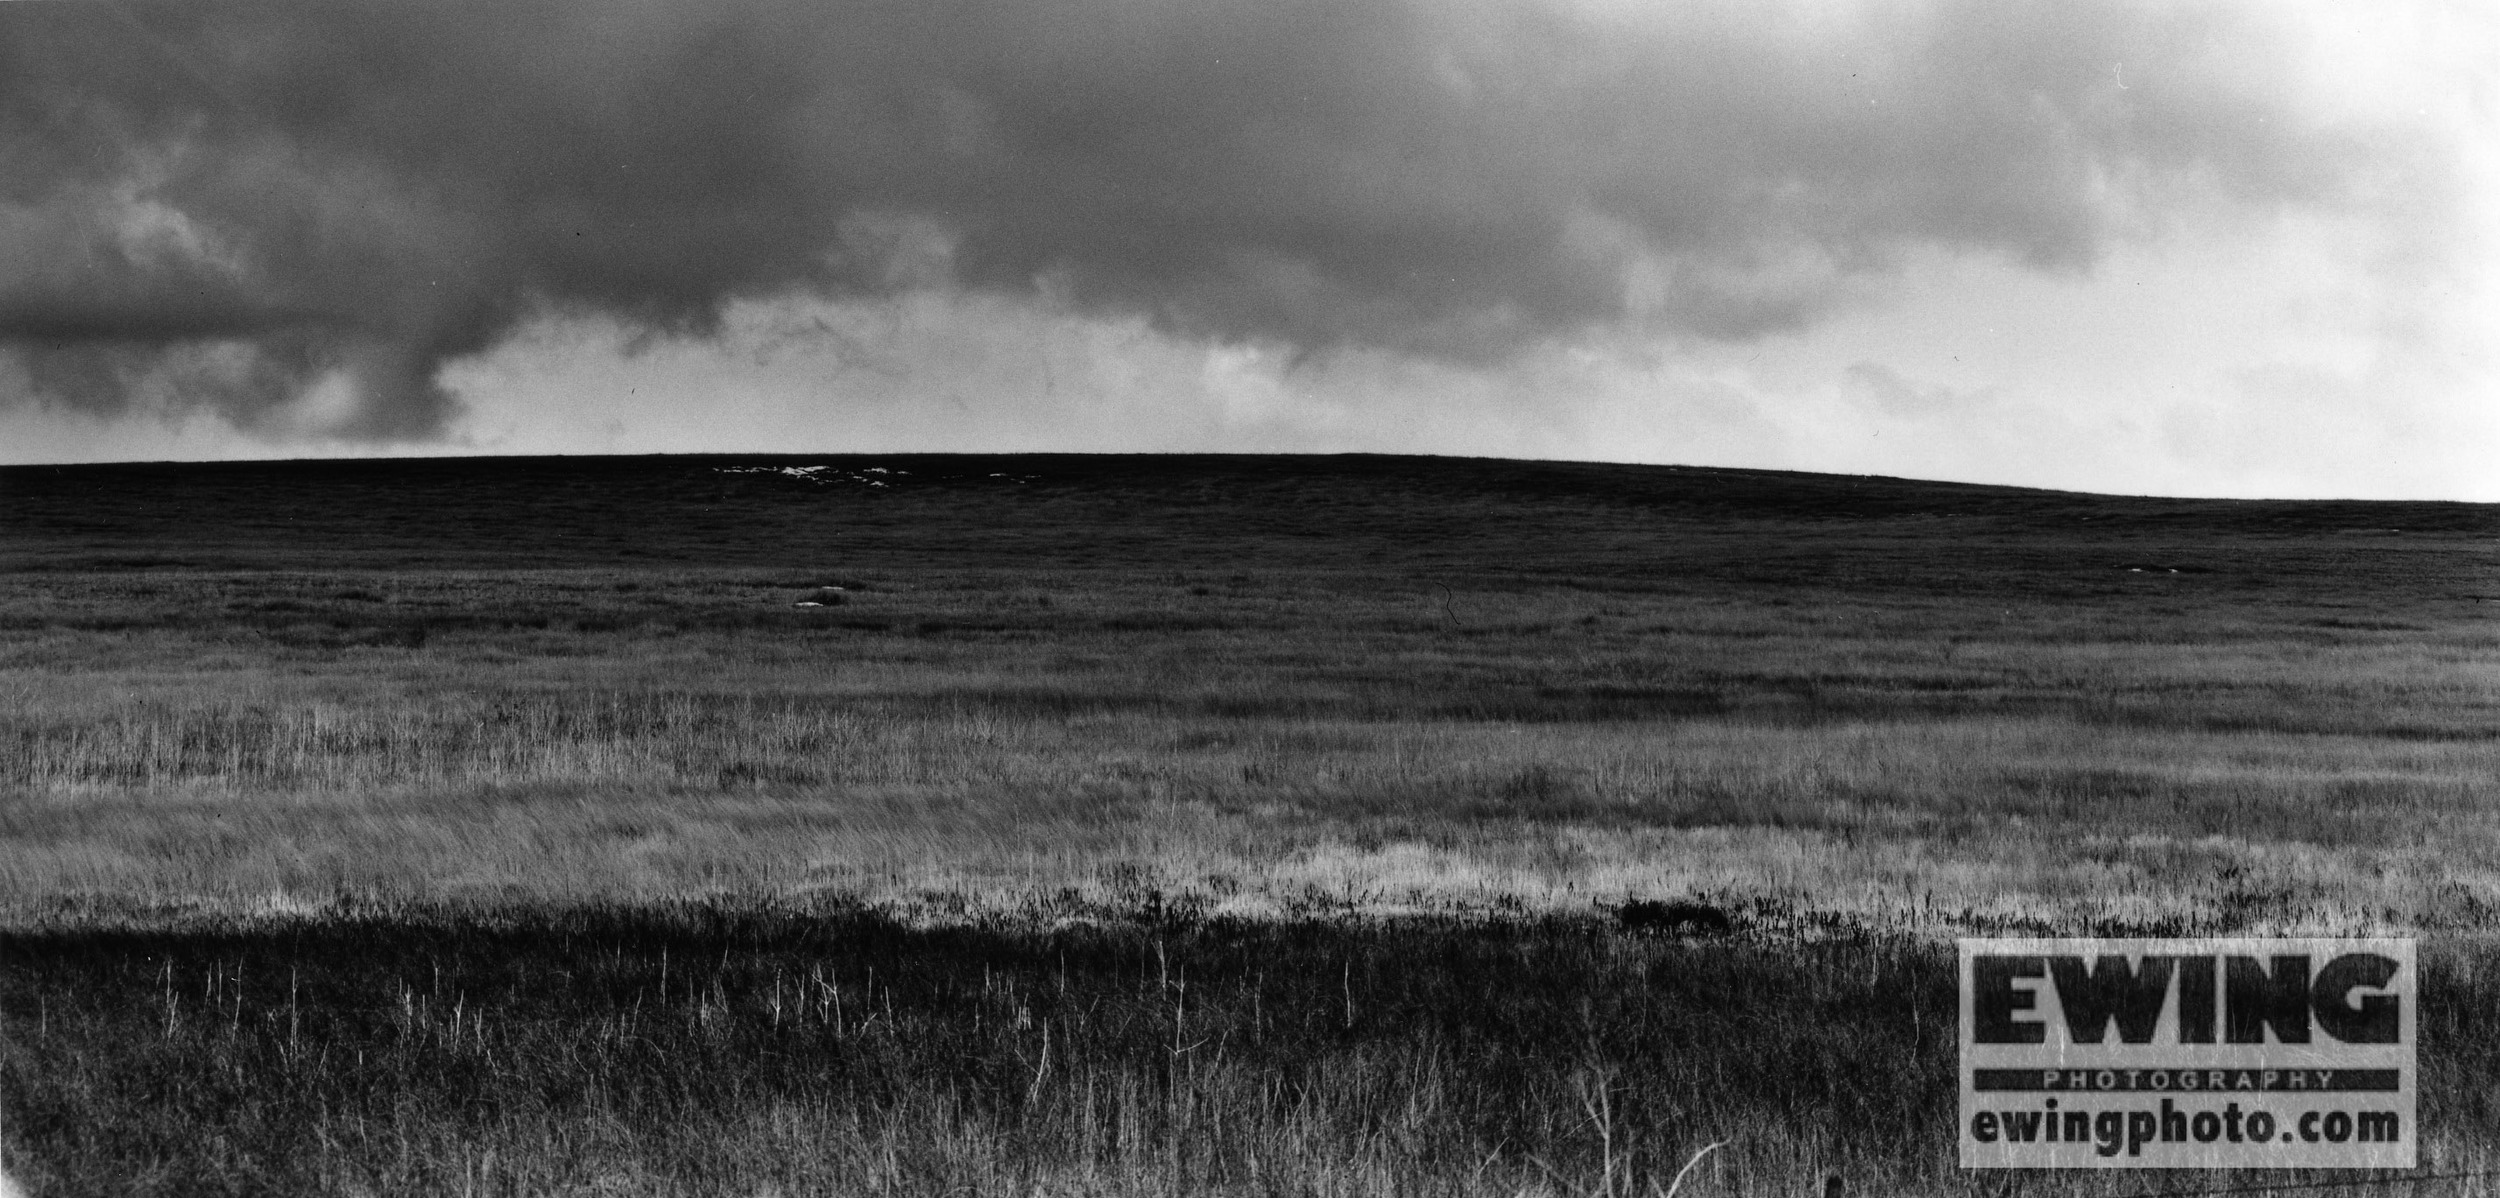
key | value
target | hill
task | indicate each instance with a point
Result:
(1494, 525)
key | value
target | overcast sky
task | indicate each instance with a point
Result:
(2183, 248)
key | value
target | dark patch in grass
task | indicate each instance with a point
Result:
(112, 624)
(813, 582)
(1606, 702)
(128, 561)
(1680, 917)
(1157, 622)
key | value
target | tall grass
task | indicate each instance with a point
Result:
(729, 1049)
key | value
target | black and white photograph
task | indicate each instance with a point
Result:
(1333, 598)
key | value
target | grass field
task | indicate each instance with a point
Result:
(501, 827)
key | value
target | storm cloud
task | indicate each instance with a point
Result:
(246, 206)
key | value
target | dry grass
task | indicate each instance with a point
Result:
(1279, 749)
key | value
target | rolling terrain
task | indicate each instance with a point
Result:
(490, 825)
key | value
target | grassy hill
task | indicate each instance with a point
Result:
(1052, 668)
(1034, 510)
(503, 825)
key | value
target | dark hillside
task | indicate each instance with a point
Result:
(1071, 509)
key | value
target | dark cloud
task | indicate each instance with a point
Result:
(226, 202)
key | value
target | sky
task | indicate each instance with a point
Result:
(2187, 248)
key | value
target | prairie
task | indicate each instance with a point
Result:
(469, 752)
